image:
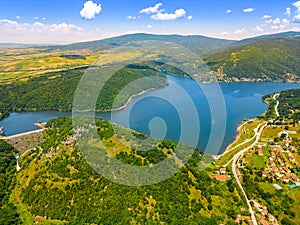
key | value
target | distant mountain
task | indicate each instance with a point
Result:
(265, 58)
(196, 43)
(289, 35)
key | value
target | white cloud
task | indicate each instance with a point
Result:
(131, 17)
(267, 17)
(149, 26)
(18, 17)
(268, 21)
(228, 11)
(90, 10)
(297, 5)
(277, 21)
(41, 33)
(169, 16)
(248, 10)
(190, 17)
(239, 31)
(44, 18)
(297, 17)
(259, 28)
(152, 9)
(36, 18)
(287, 11)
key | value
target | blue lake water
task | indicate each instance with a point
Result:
(170, 111)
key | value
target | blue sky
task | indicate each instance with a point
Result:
(65, 21)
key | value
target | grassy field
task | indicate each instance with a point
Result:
(21, 64)
(25, 63)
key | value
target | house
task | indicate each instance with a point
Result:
(223, 170)
(264, 212)
(281, 162)
(264, 222)
(294, 177)
(293, 148)
(264, 173)
(221, 177)
(238, 219)
(286, 169)
(260, 152)
(17, 155)
(285, 179)
(272, 219)
(291, 157)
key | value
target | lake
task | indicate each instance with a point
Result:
(168, 111)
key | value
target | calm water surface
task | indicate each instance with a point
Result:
(156, 113)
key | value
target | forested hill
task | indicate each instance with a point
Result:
(275, 59)
(199, 44)
(272, 57)
(57, 184)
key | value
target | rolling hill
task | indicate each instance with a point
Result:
(264, 59)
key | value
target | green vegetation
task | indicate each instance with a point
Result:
(8, 212)
(265, 60)
(55, 90)
(61, 186)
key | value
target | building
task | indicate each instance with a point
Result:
(221, 177)
(223, 170)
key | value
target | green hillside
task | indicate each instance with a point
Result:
(56, 184)
(264, 60)
(199, 44)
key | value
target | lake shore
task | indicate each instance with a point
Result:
(129, 100)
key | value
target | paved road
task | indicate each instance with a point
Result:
(277, 104)
(234, 170)
(244, 142)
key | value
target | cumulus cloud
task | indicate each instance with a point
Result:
(149, 26)
(267, 17)
(287, 11)
(276, 21)
(169, 16)
(190, 17)
(228, 11)
(297, 5)
(18, 17)
(248, 10)
(152, 9)
(297, 16)
(90, 10)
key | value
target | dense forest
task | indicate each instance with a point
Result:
(55, 90)
(8, 212)
(265, 60)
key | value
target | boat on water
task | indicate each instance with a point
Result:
(2, 131)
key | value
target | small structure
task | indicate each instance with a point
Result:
(223, 170)
(277, 186)
(17, 155)
(294, 185)
(221, 177)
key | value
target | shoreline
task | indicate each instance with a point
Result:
(237, 137)
(129, 100)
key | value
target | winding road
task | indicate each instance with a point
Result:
(235, 159)
(277, 104)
